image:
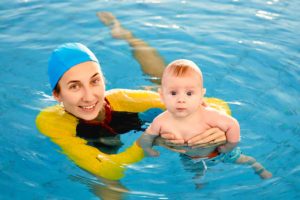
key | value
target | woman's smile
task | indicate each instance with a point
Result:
(88, 108)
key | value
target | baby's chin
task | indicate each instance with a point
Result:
(181, 114)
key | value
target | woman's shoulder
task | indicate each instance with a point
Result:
(55, 119)
(133, 100)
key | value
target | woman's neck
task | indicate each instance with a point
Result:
(99, 119)
(102, 114)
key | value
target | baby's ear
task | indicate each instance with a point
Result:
(159, 90)
(203, 91)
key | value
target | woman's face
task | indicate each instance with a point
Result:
(82, 90)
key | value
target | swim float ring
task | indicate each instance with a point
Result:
(60, 127)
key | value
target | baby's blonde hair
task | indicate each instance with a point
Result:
(180, 68)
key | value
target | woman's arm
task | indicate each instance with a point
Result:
(60, 127)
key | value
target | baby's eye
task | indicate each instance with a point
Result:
(173, 93)
(189, 93)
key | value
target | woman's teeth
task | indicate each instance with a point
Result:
(88, 107)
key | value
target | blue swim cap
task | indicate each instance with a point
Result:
(65, 57)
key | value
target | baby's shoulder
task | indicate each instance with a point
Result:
(212, 112)
(219, 118)
(160, 118)
(158, 123)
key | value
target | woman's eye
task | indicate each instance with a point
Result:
(173, 93)
(189, 93)
(74, 87)
(96, 81)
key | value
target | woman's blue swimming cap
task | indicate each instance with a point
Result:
(65, 57)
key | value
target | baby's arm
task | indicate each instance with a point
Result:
(147, 139)
(232, 131)
(231, 128)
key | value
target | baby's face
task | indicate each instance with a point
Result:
(182, 96)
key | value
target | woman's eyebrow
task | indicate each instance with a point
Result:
(77, 81)
(73, 81)
(96, 74)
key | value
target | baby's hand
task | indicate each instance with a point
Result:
(222, 149)
(227, 147)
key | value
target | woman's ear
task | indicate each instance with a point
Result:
(56, 96)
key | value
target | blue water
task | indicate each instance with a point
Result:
(247, 50)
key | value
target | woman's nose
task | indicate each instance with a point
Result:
(87, 94)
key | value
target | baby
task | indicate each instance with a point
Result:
(187, 115)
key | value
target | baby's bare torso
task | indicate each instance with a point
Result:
(189, 127)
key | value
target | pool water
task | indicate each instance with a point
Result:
(248, 52)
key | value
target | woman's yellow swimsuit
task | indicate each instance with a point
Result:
(61, 127)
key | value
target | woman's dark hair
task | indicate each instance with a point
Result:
(56, 89)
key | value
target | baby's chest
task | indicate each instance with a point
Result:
(186, 131)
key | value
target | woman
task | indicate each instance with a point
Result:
(86, 124)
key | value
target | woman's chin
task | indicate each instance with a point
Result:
(88, 115)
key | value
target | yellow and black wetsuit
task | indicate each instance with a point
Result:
(73, 135)
(112, 126)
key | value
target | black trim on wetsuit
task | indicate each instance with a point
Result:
(93, 132)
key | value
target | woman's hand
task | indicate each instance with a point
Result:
(211, 137)
(169, 141)
(111, 141)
